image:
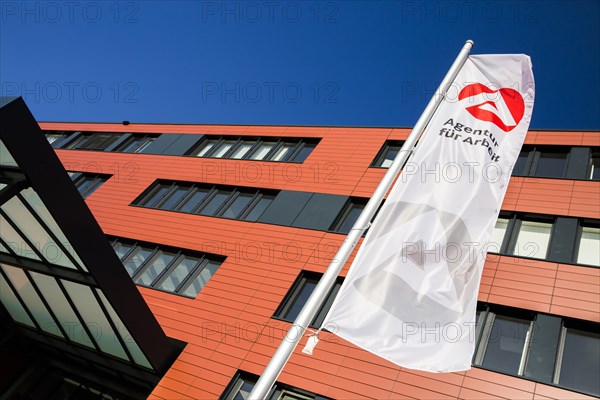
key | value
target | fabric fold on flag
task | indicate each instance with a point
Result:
(411, 294)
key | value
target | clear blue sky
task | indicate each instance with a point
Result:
(347, 63)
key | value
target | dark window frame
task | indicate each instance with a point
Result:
(232, 193)
(157, 250)
(576, 325)
(488, 316)
(256, 144)
(537, 155)
(340, 220)
(92, 141)
(511, 234)
(583, 223)
(96, 180)
(594, 164)
(534, 153)
(295, 291)
(145, 139)
(231, 391)
(385, 149)
(484, 322)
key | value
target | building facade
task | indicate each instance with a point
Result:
(226, 230)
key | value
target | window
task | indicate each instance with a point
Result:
(523, 161)
(218, 201)
(98, 141)
(533, 239)
(172, 270)
(242, 383)
(578, 362)
(54, 138)
(298, 295)
(87, 183)
(553, 161)
(504, 342)
(387, 154)
(135, 144)
(506, 338)
(497, 238)
(262, 149)
(550, 162)
(588, 251)
(594, 169)
(522, 235)
(544, 237)
(348, 216)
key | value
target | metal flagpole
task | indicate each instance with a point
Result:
(296, 331)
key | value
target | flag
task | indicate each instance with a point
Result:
(411, 294)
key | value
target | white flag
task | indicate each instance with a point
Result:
(411, 293)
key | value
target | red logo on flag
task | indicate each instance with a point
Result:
(487, 110)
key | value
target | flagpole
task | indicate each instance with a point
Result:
(306, 315)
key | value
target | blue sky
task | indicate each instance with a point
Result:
(343, 63)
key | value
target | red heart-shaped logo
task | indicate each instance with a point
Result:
(511, 98)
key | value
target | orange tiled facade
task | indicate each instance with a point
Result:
(229, 326)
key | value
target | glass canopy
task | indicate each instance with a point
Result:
(60, 280)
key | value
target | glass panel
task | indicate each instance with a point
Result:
(595, 168)
(242, 150)
(304, 152)
(36, 234)
(94, 318)
(6, 158)
(551, 164)
(320, 317)
(262, 151)
(389, 156)
(351, 218)
(533, 239)
(82, 183)
(135, 261)
(195, 199)
(284, 152)
(589, 246)
(12, 304)
(15, 241)
(197, 284)
(96, 183)
(62, 309)
(53, 137)
(580, 367)
(132, 346)
(300, 299)
(36, 203)
(243, 392)
(130, 145)
(145, 143)
(238, 205)
(505, 345)
(98, 141)
(497, 238)
(174, 198)
(214, 203)
(154, 196)
(179, 274)
(25, 289)
(259, 208)
(206, 147)
(122, 249)
(157, 266)
(519, 168)
(223, 148)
